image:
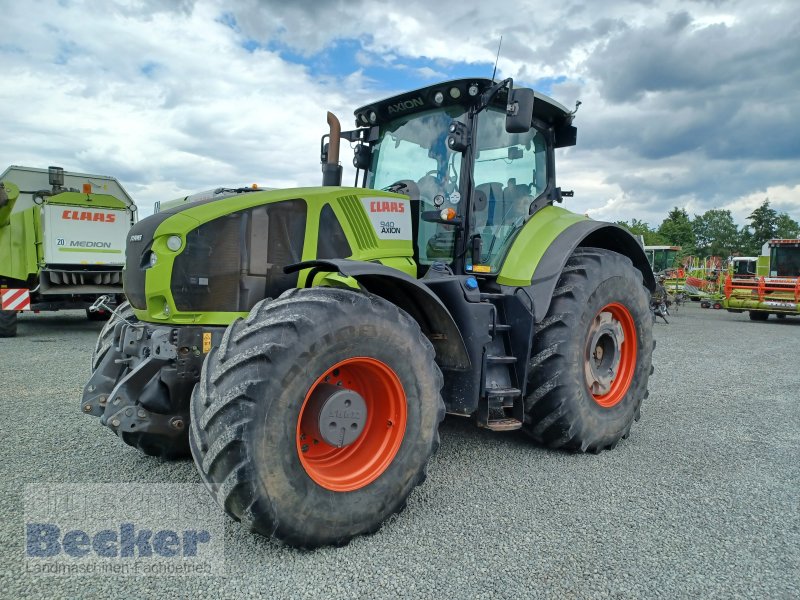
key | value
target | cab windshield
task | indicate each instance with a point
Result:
(784, 261)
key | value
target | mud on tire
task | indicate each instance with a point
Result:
(244, 424)
(561, 410)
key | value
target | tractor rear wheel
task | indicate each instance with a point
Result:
(592, 355)
(316, 416)
(8, 323)
(757, 315)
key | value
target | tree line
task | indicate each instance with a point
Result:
(715, 232)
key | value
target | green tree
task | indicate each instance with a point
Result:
(715, 233)
(763, 222)
(676, 229)
(747, 244)
(786, 227)
(637, 227)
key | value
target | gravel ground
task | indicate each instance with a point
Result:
(702, 501)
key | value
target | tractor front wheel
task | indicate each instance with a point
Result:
(316, 416)
(757, 315)
(8, 323)
(592, 355)
(123, 312)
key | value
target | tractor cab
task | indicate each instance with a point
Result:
(476, 159)
(784, 258)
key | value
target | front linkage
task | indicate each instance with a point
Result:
(142, 385)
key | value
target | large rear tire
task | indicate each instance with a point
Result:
(592, 355)
(8, 323)
(257, 420)
(757, 315)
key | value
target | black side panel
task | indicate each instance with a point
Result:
(332, 241)
(586, 234)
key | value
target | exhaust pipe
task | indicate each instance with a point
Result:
(331, 169)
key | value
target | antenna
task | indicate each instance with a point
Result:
(497, 58)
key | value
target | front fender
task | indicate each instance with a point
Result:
(407, 293)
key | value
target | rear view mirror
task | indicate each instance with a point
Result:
(519, 113)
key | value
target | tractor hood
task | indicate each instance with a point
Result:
(211, 261)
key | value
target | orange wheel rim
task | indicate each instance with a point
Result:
(359, 463)
(610, 360)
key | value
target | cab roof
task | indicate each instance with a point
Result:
(454, 92)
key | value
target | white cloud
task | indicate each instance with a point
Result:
(165, 95)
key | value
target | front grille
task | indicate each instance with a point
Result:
(56, 280)
(70, 278)
(232, 262)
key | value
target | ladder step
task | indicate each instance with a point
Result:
(503, 392)
(502, 327)
(503, 425)
(500, 360)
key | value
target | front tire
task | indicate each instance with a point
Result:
(592, 355)
(8, 323)
(256, 426)
(757, 315)
(124, 311)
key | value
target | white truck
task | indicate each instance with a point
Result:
(62, 241)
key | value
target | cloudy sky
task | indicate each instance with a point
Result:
(685, 103)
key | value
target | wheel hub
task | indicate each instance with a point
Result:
(341, 414)
(603, 353)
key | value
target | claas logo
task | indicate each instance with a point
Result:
(386, 206)
(75, 215)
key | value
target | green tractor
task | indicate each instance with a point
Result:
(305, 344)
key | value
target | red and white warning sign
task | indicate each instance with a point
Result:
(15, 299)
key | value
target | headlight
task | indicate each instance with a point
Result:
(152, 259)
(174, 243)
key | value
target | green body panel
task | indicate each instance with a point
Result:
(532, 242)
(87, 200)
(12, 193)
(762, 266)
(346, 205)
(21, 245)
(774, 302)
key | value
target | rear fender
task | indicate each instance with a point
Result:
(582, 233)
(407, 293)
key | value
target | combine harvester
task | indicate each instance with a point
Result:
(775, 288)
(62, 241)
